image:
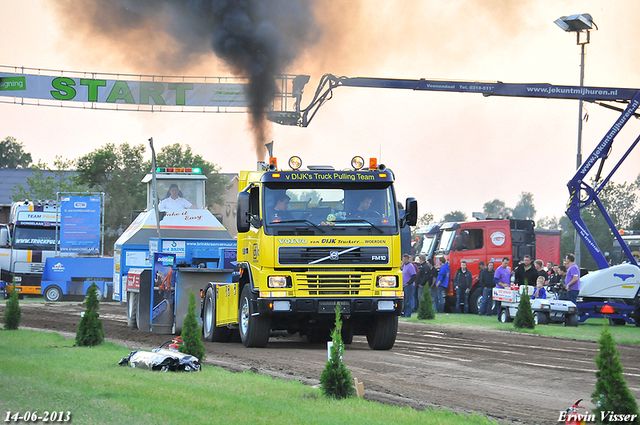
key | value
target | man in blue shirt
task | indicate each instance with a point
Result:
(442, 282)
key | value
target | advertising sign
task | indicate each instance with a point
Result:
(163, 289)
(80, 224)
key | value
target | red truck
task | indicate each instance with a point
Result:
(488, 241)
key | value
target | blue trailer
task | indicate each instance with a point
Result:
(71, 277)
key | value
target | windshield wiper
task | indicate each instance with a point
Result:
(298, 221)
(360, 220)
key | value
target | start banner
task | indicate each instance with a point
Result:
(123, 92)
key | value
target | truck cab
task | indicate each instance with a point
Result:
(29, 239)
(310, 240)
(483, 240)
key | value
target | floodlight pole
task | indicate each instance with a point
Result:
(582, 44)
(581, 25)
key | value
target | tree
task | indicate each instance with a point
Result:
(46, 182)
(496, 209)
(524, 209)
(425, 309)
(612, 393)
(455, 216)
(524, 317)
(12, 313)
(335, 380)
(192, 342)
(12, 154)
(90, 327)
(174, 156)
(423, 221)
(117, 171)
(550, 223)
(621, 202)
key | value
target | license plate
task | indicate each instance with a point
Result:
(330, 306)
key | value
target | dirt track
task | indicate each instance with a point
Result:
(510, 377)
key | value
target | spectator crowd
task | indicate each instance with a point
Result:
(425, 274)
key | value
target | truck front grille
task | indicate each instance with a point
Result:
(316, 284)
(336, 255)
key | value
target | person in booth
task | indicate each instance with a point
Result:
(175, 200)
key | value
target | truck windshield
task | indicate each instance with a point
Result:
(35, 238)
(428, 245)
(445, 241)
(618, 257)
(337, 210)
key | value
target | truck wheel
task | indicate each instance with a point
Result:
(347, 333)
(53, 293)
(475, 300)
(617, 322)
(211, 331)
(503, 317)
(254, 330)
(540, 318)
(99, 294)
(571, 320)
(382, 335)
(132, 310)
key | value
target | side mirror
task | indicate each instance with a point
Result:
(4, 237)
(243, 218)
(411, 217)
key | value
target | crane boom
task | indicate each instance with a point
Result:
(581, 194)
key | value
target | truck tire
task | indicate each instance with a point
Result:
(540, 318)
(503, 316)
(53, 293)
(347, 333)
(132, 310)
(254, 329)
(475, 299)
(617, 322)
(99, 294)
(212, 332)
(382, 335)
(571, 320)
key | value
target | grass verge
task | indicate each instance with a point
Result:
(589, 330)
(45, 372)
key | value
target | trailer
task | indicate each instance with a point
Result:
(71, 277)
(545, 310)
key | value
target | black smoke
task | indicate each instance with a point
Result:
(258, 39)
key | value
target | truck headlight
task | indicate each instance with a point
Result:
(277, 282)
(387, 282)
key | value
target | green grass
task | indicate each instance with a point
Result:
(45, 372)
(590, 330)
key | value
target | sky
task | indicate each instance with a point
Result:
(451, 151)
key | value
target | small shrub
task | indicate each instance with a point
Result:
(524, 317)
(12, 313)
(191, 334)
(612, 393)
(336, 381)
(425, 310)
(90, 328)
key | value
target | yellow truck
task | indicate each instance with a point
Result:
(308, 241)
